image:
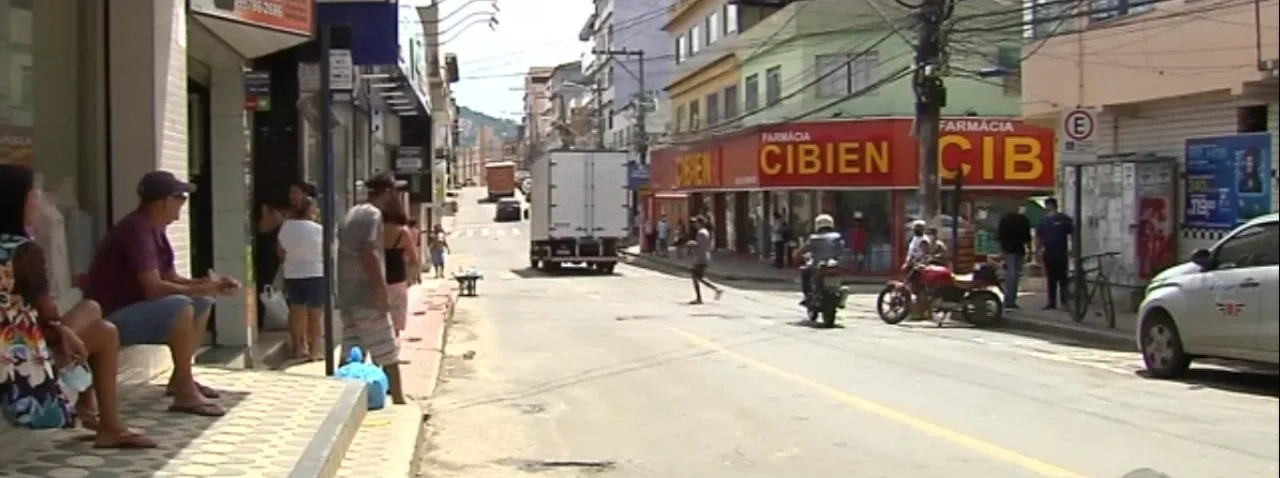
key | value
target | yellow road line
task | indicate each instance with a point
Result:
(978, 445)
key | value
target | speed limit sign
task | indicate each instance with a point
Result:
(1075, 132)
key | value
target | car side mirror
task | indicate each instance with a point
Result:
(526, 214)
(1202, 258)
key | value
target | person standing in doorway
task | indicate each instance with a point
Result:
(1014, 235)
(858, 243)
(363, 293)
(778, 238)
(664, 236)
(1053, 239)
(702, 245)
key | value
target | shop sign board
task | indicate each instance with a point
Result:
(696, 170)
(290, 16)
(832, 154)
(997, 153)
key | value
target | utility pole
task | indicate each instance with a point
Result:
(641, 100)
(931, 97)
(598, 92)
(641, 103)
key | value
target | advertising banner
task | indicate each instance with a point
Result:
(1228, 180)
(637, 176)
(291, 16)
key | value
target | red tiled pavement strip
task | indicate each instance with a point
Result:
(422, 342)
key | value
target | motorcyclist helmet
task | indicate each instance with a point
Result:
(824, 221)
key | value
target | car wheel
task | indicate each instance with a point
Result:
(1162, 351)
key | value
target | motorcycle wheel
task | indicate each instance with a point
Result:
(828, 313)
(893, 305)
(812, 313)
(982, 309)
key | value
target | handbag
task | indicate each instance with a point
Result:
(275, 308)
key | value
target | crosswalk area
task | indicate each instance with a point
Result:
(487, 230)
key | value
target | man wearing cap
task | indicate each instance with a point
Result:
(363, 295)
(134, 278)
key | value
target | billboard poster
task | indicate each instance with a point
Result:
(290, 16)
(1228, 180)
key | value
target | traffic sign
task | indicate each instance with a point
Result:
(1076, 135)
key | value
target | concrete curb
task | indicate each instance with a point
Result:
(436, 342)
(1067, 329)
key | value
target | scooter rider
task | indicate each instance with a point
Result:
(825, 244)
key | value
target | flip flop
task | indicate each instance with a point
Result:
(207, 392)
(199, 409)
(129, 441)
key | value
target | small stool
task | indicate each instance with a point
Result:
(467, 284)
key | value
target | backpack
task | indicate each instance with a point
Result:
(374, 379)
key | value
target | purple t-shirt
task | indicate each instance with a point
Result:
(134, 245)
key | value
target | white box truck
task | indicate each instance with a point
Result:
(578, 209)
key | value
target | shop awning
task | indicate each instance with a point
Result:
(255, 34)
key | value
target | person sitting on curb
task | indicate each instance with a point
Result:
(134, 278)
(32, 327)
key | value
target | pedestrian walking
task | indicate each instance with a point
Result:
(701, 246)
(438, 246)
(364, 297)
(1014, 235)
(1053, 236)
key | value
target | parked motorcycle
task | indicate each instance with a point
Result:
(977, 297)
(827, 296)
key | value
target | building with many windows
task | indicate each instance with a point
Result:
(623, 82)
(784, 110)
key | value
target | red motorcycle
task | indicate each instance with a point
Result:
(977, 297)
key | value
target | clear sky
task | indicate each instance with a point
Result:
(492, 62)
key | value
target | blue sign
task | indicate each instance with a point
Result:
(637, 176)
(257, 83)
(1228, 180)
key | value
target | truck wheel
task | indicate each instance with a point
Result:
(533, 264)
(607, 267)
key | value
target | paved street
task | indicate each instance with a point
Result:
(614, 376)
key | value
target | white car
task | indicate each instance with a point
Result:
(1224, 303)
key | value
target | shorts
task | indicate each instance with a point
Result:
(437, 258)
(373, 333)
(699, 271)
(148, 322)
(307, 292)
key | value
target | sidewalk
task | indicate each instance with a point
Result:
(389, 439)
(732, 267)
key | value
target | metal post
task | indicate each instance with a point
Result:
(329, 192)
(1077, 280)
(930, 96)
(598, 91)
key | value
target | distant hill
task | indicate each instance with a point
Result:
(471, 121)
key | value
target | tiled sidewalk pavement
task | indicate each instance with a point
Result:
(270, 430)
(726, 266)
(388, 439)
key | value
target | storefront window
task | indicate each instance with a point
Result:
(730, 225)
(759, 224)
(802, 209)
(49, 121)
(865, 219)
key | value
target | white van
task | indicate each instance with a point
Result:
(1223, 303)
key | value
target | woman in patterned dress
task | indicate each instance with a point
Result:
(36, 342)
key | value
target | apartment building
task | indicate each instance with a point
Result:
(800, 108)
(624, 82)
(564, 90)
(1169, 79)
(535, 122)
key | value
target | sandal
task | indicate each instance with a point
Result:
(129, 440)
(199, 409)
(207, 392)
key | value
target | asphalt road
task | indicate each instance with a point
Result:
(614, 376)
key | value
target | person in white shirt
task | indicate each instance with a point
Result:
(301, 243)
(664, 236)
(918, 248)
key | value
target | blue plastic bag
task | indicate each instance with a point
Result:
(374, 379)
